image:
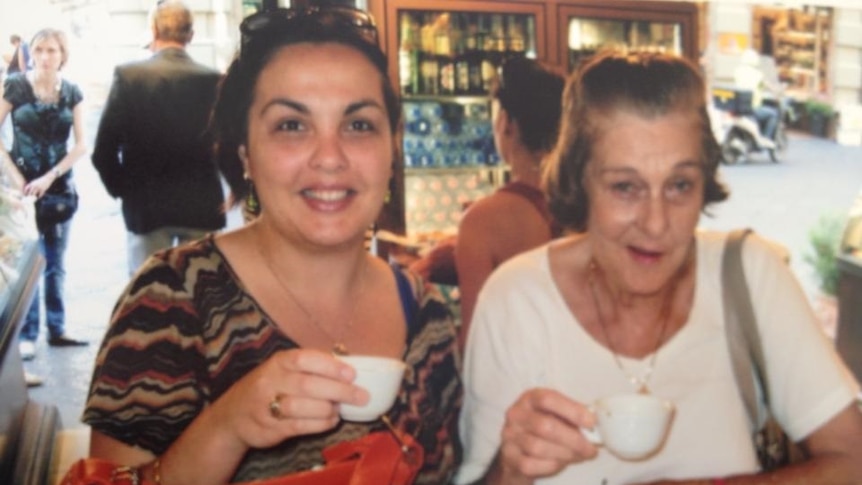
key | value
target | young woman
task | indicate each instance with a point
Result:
(45, 109)
(218, 365)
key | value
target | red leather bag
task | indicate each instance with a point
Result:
(375, 459)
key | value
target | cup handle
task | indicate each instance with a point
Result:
(592, 435)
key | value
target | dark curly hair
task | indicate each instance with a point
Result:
(649, 84)
(229, 122)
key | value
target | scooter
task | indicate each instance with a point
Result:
(737, 130)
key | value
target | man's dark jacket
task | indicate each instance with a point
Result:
(152, 149)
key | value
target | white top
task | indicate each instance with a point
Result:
(751, 78)
(523, 336)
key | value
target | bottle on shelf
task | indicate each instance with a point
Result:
(488, 48)
(429, 69)
(530, 48)
(462, 56)
(408, 56)
(443, 54)
(473, 53)
(517, 44)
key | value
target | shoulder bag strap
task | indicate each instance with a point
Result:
(743, 337)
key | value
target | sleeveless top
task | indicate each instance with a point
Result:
(185, 330)
(535, 197)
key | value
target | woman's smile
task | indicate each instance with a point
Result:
(327, 195)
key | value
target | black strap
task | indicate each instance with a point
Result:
(408, 299)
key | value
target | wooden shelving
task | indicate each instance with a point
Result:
(800, 42)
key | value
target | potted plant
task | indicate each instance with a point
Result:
(825, 238)
(820, 116)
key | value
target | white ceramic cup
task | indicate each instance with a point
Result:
(631, 426)
(381, 377)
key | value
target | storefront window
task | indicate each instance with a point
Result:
(798, 40)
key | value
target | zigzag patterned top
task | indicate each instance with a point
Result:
(185, 330)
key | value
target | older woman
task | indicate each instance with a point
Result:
(631, 302)
(45, 109)
(219, 362)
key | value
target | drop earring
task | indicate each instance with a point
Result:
(390, 188)
(252, 205)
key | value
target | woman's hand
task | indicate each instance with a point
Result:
(305, 385)
(311, 384)
(541, 436)
(37, 187)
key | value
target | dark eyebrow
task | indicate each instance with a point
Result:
(365, 103)
(351, 108)
(285, 102)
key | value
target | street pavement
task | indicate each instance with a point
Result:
(781, 201)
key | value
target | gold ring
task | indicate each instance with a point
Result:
(275, 406)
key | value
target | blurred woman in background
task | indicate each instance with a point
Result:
(525, 110)
(45, 108)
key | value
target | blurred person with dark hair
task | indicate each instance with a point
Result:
(525, 108)
(153, 150)
(20, 58)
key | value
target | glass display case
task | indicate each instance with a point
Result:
(18, 238)
(587, 27)
(20, 266)
(445, 62)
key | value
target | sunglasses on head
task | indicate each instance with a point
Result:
(283, 19)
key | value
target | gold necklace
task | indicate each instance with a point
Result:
(338, 346)
(639, 382)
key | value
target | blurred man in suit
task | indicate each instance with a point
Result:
(152, 148)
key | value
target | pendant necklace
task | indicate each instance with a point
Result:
(338, 345)
(639, 382)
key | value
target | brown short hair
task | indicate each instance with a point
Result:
(648, 84)
(57, 35)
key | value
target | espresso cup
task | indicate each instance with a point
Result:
(381, 377)
(631, 426)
